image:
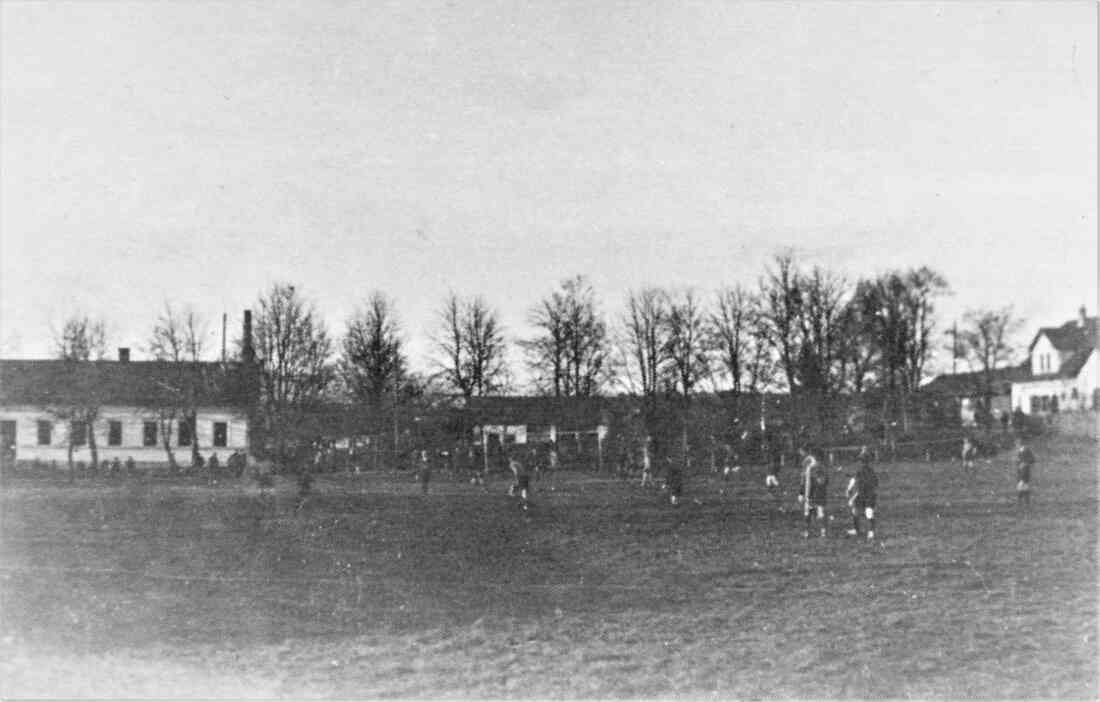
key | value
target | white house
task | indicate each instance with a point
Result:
(140, 409)
(1063, 369)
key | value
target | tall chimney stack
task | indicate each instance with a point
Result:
(248, 353)
(1082, 317)
(123, 354)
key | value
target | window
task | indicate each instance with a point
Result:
(78, 433)
(185, 434)
(221, 434)
(149, 434)
(45, 432)
(114, 433)
(7, 433)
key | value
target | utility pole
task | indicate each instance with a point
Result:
(954, 346)
(396, 436)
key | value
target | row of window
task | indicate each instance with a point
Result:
(149, 433)
(1049, 403)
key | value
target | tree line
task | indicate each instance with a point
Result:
(806, 331)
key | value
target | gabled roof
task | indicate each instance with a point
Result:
(126, 383)
(1071, 337)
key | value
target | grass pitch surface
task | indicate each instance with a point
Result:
(177, 589)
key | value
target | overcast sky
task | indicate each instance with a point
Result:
(199, 152)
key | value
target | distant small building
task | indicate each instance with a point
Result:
(967, 390)
(1062, 369)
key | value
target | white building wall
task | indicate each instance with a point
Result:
(132, 418)
(1045, 359)
(1088, 380)
(1074, 394)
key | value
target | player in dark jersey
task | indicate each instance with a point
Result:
(863, 494)
(522, 485)
(813, 491)
(1025, 461)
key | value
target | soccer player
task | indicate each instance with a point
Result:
(675, 482)
(814, 489)
(1025, 460)
(647, 464)
(969, 453)
(771, 481)
(305, 487)
(424, 471)
(474, 463)
(863, 494)
(522, 484)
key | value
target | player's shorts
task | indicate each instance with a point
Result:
(862, 503)
(1023, 486)
(523, 482)
(771, 480)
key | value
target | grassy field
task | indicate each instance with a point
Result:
(174, 589)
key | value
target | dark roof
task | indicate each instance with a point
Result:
(128, 383)
(566, 412)
(1071, 336)
(1073, 365)
(964, 384)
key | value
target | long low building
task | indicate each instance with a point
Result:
(140, 410)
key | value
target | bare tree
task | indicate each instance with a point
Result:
(80, 340)
(801, 315)
(569, 356)
(644, 340)
(824, 296)
(761, 366)
(294, 348)
(897, 310)
(986, 341)
(925, 286)
(859, 350)
(686, 343)
(178, 338)
(730, 335)
(780, 310)
(471, 346)
(373, 359)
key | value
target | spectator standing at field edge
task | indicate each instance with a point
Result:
(1025, 460)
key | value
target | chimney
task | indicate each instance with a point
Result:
(248, 353)
(123, 354)
(1082, 317)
